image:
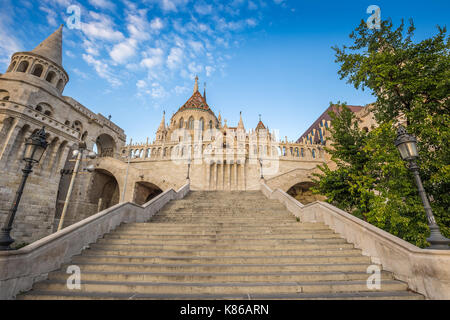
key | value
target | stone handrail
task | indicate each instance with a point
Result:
(425, 271)
(20, 269)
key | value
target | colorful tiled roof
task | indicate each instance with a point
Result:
(260, 126)
(197, 101)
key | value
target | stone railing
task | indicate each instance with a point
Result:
(425, 271)
(20, 269)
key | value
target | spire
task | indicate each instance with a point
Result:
(241, 123)
(220, 119)
(204, 92)
(162, 126)
(51, 48)
(196, 84)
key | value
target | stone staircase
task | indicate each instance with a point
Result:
(218, 245)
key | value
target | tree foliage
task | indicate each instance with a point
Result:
(411, 82)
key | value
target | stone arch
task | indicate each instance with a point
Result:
(104, 191)
(12, 66)
(145, 191)
(51, 75)
(106, 145)
(4, 95)
(302, 192)
(37, 70)
(18, 144)
(60, 85)
(23, 66)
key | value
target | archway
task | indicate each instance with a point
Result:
(302, 192)
(104, 191)
(144, 192)
(106, 145)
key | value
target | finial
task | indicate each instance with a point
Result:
(259, 117)
(196, 84)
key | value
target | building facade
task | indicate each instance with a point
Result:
(194, 145)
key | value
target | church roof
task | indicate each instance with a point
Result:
(51, 48)
(197, 101)
(260, 126)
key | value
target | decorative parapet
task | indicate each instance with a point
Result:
(20, 269)
(425, 271)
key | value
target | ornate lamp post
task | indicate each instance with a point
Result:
(407, 146)
(189, 168)
(34, 149)
(261, 167)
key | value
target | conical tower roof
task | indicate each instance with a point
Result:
(241, 123)
(51, 48)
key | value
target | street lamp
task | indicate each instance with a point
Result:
(261, 166)
(189, 168)
(34, 149)
(407, 146)
(79, 155)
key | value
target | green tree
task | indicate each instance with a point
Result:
(411, 81)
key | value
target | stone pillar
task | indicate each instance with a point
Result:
(236, 176)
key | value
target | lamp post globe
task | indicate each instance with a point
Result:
(35, 147)
(407, 146)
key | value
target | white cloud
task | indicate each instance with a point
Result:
(101, 27)
(195, 68)
(156, 24)
(197, 46)
(102, 70)
(51, 15)
(209, 70)
(175, 58)
(102, 4)
(203, 8)
(153, 58)
(123, 51)
(179, 90)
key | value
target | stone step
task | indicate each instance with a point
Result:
(155, 229)
(223, 235)
(135, 251)
(139, 244)
(170, 226)
(75, 295)
(90, 255)
(219, 277)
(220, 237)
(256, 241)
(221, 288)
(220, 268)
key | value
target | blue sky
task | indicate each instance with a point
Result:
(132, 60)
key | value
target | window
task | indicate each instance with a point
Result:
(37, 70)
(314, 154)
(6, 98)
(202, 124)
(23, 66)
(210, 124)
(296, 151)
(67, 123)
(181, 123)
(191, 123)
(47, 113)
(50, 76)
(302, 152)
(39, 108)
(60, 85)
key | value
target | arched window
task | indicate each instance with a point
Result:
(37, 70)
(284, 151)
(39, 108)
(47, 113)
(23, 66)
(84, 136)
(181, 123)
(67, 123)
(314, 154)
(60, 85)
(191, 123)
(202, 124)
(303, 153)
(11, 67)
(296, 152)
(50, 76)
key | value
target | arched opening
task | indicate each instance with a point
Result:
(23, 66)
(50, 76)
(67, 123)
(39, 108)
(302, 192)
(202, 124)
(104, 191)
(181, 123)
(144, 192)
(77, 126)
(106, 145)
(191, 123)
(60, 85)
(210, 124)
(37, 70)
(4, 95)
(11, 67)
